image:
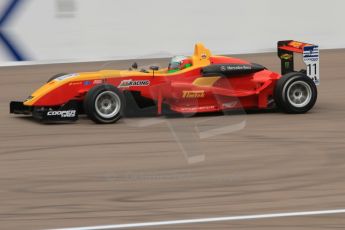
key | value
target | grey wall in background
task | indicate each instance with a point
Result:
(47, 30)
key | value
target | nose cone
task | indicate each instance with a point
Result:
(42, 91)
(28, 99)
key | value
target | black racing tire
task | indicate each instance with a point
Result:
(295, 92)
(104, 104)
(56, 76)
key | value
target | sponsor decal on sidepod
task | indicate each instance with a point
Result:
(128, 83)
(193, 94)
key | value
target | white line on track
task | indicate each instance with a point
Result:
(207, 220)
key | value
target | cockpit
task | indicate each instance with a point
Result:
(178, 63)
(201, 57)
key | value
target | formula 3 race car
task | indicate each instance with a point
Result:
(196, 84)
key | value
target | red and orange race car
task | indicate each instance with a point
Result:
(200, 83)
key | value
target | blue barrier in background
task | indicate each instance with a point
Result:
(5, 38)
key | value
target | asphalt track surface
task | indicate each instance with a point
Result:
(139, 170)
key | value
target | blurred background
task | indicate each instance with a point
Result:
(81, 30)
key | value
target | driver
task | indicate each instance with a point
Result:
(178, 63)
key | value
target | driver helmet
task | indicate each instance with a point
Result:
(178, 63)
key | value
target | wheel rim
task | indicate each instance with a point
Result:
(107, 104)
(299, 94)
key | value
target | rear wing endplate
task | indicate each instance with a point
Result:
(310, 52)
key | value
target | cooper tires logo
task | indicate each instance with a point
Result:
(66, 113)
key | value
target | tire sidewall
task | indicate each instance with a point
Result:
(90, 107)
(281, 91)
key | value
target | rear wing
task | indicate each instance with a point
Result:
(310, 52)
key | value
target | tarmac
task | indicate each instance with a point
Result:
(159, 169)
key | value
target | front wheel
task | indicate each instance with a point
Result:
(104, 104)
(295, 93)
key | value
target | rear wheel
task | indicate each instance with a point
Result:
(104, 104)
(295, 93)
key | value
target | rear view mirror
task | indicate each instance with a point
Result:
(154, 68)
(135, 65)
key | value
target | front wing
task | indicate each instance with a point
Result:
(66, 112)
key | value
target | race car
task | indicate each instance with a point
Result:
(190, 84)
